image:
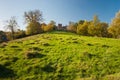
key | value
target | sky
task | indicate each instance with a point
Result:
(61, 11)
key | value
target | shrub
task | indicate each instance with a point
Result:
(49, 27)
(20, 34)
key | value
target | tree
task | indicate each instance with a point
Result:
(43, 25)
(72, 27)
(82, 29)
(33, 28)
(33, 18)
(96, 20)
(50, 26)
(20, 34)
(94, 29)
(114, 28)
(81, 21)
(104, 26)
(12, 26)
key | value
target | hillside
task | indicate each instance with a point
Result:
(60, 56)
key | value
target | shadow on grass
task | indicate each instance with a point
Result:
(40, 56)
(61, 32)
(6, 72)
(48, 68)
(33, 54)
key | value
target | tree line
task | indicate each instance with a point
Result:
(35, 25)
(97, 28)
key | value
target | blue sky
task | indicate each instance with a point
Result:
(61, 11)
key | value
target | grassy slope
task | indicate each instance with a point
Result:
(61, 56)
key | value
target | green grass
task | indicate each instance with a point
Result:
(60, 56)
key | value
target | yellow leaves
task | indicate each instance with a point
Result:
(48, 27)
(83, 28)
(114, 29)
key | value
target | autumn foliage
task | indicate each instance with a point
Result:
(35, 25)
(114, 28)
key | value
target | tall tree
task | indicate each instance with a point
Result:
(103, 27)
(94, 28)
(33, 16)
(114, 28)
(33, 19)
(81, 21)
(33, 28)
(12, 26)
(96, 20)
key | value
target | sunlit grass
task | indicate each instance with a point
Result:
(60, 56)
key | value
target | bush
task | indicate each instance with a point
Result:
(49, 27)
(20, 34)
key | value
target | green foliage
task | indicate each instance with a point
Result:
(33, 18)
(33, 28)
(81, 21)
(20, 34)
(60, 56)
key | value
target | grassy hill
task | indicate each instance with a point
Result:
(60, 56)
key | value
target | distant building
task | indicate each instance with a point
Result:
(60, 27)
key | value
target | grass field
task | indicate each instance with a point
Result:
(60, 56)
